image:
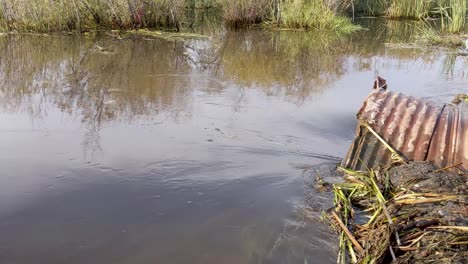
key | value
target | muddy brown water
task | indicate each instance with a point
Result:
(141, 150)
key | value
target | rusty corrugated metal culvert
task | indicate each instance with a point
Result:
(417, 129)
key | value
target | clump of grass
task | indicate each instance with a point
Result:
(245, 12)
(371, 7)
(409, 8)
(453, 15)
(458, 15)
(314, 14)
(429, 35)
(449, 33)
(298, 14)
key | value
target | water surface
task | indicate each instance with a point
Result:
(143, 150)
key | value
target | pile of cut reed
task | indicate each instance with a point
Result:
(412, 213)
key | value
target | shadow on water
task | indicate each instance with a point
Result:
(141, 150)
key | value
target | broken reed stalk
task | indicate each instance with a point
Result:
(390, 148)
(419, 198)
(449, 167)
(382, 202)
(459, 228)
(402, 223)
(348, 233)
(392, 253)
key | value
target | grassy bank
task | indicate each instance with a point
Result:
(316, 14)
(431, 36)
(452, 12)
(333, 15)
(59, 15)
(299, 14)
(68, 15)
(295, 14)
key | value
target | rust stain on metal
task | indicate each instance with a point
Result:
(418, 129)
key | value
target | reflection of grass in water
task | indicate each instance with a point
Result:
(401, 31)
(66, 72)
(289, 64)
(299, 64)
(24, 65)
(449, 64)
(296, 61)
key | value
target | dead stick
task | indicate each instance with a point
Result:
(392, 253)
(390, 221)
(459, 228)
(392, 150)
(350, 236)
(448, 167)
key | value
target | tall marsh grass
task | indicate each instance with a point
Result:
(457, 15)
(409, 8)
(333, 15)
(243, 12)
(56, 15)
(304, 14)
(314, 14)
(371, 7)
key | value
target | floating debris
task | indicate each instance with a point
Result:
(414, 129)
(102, 50)
(170, 36)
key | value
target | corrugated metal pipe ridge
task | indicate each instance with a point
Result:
(418, 129)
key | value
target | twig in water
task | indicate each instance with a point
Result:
(350, 236)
